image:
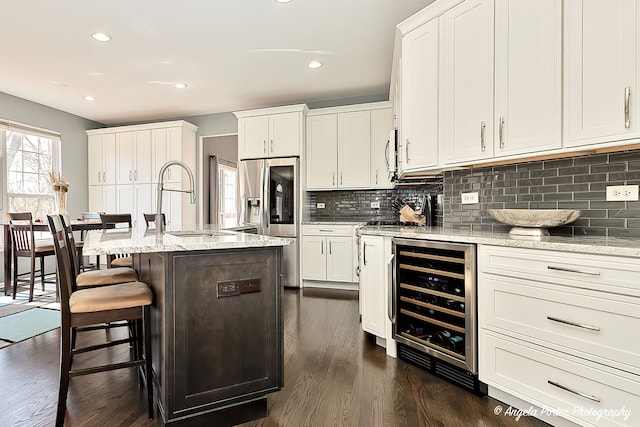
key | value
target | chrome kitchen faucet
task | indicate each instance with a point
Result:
(192, 190)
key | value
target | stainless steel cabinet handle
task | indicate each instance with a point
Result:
(264, 146)
(104, 177)
(129, 175)
(482, 145)
(329, 247)
(577, 325)
(406, 150)
(98, 176)
(376, 177)
(364, 253)
(627, 119)
(340, 177)
(326, 231)
(333, 179)
(391, 306)
(271, 145)
(571, 270)
(500, 132)
(135, 175)
(322, 247)
(586, 396)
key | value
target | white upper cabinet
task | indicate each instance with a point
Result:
(322, 151)
(381, 125)
(271, 132)
(601, 71)
(528, 82)
(102, 159)
(133, 151)
(166, 144)
(466, 77)
(354, 150)
(420, 106)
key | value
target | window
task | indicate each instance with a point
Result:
(29, 156)
(228, 212)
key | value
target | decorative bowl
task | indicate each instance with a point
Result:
(534, 222)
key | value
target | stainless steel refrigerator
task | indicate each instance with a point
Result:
(269, 198)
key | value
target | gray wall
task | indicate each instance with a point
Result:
(74, 142)
(226, 148)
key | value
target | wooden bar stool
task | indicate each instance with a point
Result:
(110, 221)
(24, 246)
(150, 219)
(83, 309)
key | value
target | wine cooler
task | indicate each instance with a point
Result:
(433, 307)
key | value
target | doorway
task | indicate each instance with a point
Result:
(219, 166)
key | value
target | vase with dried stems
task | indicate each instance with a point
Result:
(60, 189)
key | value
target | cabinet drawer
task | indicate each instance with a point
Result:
(527, 372)
(597, 325)
(599, 272)
(327, 230)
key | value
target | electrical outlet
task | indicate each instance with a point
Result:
(470, 198)
(320, 205)
(622, 193)
(375, 205)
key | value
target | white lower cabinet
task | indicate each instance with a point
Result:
(556, 331)
(135, 199)
(327, 255)
(102, 198)
(372, 285)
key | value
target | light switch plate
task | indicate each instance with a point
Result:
(470, 198)
(320, 205)
(375, 205)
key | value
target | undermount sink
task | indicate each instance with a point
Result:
(198, 233)
(534, 222)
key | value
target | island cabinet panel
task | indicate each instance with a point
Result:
(217, 335)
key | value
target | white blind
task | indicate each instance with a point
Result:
(32, 130)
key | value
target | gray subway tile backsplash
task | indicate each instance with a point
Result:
(570, 183)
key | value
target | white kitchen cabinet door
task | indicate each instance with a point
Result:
(284, 135)
(339, 259)
(253, 133)
(601, 71)
(381, 125)
(420, 97)
(322, 152)
(136, 200)
(372, 285)
(314, 258)
(166, 145)
(133, 150)
(466, 80)
(102, 159)
(171, 205)
(102, 198)
(528, 61)
(354, 150)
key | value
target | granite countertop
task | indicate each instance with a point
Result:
(333, 222)
(143, 240)
(580, 244)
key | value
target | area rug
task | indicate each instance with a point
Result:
(28, 323)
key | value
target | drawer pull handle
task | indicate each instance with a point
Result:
(571, 270)
(326, 231)
(586, 396)
(578, 325)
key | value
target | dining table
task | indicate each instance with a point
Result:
(76, 225)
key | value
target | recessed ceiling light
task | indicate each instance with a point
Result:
(283, 1)
(89, 98)
(179, 85)
(101, 37)
(314, 64)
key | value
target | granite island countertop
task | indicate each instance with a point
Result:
(627, 247)
(195, 238)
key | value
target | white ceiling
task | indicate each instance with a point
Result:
(233, 54)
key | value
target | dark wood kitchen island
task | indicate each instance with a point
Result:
(217, 338)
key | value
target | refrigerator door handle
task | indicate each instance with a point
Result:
(265, 195)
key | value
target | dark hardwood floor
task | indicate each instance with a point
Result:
(335, 375)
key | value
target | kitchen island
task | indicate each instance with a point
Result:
(216, 319)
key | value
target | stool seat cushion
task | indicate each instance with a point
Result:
(122, 262)
(112, 297)
(110, 276)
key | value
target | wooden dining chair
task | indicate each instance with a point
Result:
(85, 308)
(24, 246)
(110, 221)
(150, 219)
(92, 278)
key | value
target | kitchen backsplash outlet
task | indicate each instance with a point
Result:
(571, 183)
